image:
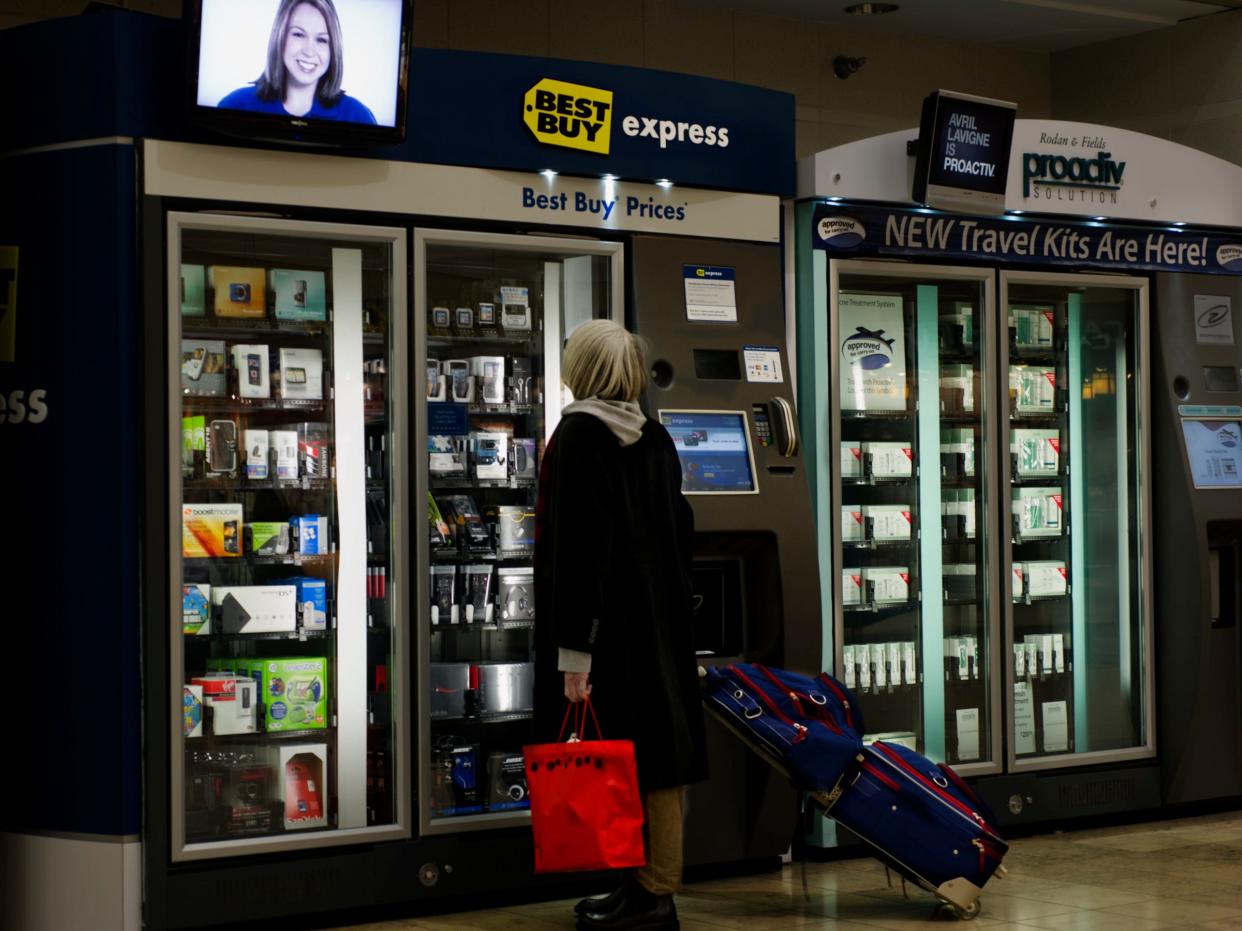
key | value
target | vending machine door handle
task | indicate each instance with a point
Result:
(786, 427)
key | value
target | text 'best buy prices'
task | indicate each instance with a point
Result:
(603, 207)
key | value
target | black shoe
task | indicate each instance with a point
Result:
(603, 903)
(636, 910)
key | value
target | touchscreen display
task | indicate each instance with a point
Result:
(714, 451)
(332, 60)
(1214, 448)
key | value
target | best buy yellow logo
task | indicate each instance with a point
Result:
(570, 115)
(700, 272)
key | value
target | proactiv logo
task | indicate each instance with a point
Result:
(868, 349)
(841, 232)
(570, 115)
(575, 116)
(1228, 255)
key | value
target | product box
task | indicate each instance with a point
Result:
(485, 314)
(851, 460)
(515, 593)
(909, 663)
(456, 788)
(255, 445)
(852, 524)
(847, 665)
(256, 609)
(284, 453)
(1045, 578)
(851, 587)
(195, 609)
(312, 600)
(1055, 717)
(960, 581)
(446, 455)
(466, 516)
(490, 455)
(301, 374)
(1036, 452)
(515, 308)
(957, 452)
(1018, 582)
(444, 606)
(463, 320)
(516, 528)
(958, 510)
(314, 460)
(888, 461)
(1033, 388)
(239, 292)
(888, 523)
(302, 784)
(505, 688)
(1058, 653)
(506, 782)
(1043, 650)
(957, 389)
(879, 659)
(862, 655)
(202, 368)
(211, 530)
(459, 380)
(193, 291)
(952, 646)
(250, 362)
(232, 700)
(1032, 657)
(310, 534)
(1019, 661)
(267, 538)
(1037, 512)
(888, 584)
(524, 457)
(192, 711)
(957, 328)
(1032, 325)
(907, 739)
(300, 294)
(967, 734)
(294, 692)
(193, 444)
(490, 372)
(449, 684)
(477, 604)
(441, 318)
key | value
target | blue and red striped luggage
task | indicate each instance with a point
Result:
(923, 821)
(920, 818)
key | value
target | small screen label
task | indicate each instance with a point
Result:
(1214, 448)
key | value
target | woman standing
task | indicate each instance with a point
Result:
(612, 578)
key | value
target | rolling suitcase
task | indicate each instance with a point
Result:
(921, 819)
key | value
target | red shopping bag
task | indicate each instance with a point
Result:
(585, 809)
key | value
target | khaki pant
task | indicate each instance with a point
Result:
(664, 810)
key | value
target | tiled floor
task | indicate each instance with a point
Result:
(1173, 874)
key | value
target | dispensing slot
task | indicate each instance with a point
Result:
(1223, 572)
(717, 364)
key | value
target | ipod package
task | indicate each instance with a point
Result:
(250, 362)
(239, 292)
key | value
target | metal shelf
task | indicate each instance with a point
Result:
(505, 718)
(469, 628)
(250, 559)
(246, 327)
(245, 485)
(194, 402)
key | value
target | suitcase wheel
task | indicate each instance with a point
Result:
(971, 912)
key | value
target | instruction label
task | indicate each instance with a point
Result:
(711, 295)
(763, 363)
(1213, 320)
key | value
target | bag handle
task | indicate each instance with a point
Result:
(580, 720)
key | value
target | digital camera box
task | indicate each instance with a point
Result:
(239, 292)
(506, 782)
(195, 609)
(256, 609)
(251, 364)
(193, 291)
(211, 530)
(295, 693)
(203, 370)
(300, 294)
(301, 374)
(302, 785)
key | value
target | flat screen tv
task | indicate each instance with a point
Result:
(326, 72)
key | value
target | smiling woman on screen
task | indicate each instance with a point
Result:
(305, 63)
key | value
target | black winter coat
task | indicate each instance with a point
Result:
(612, 578)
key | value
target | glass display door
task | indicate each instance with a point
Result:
(287, 590)
(491, 314)
(912, 358)
(1075, 495)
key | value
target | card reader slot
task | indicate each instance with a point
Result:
(782, 469)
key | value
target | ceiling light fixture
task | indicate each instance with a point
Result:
(665, 183)
(871, 9)
(608, 177)
(548, 173)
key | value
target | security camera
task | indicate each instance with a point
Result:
(843, 66)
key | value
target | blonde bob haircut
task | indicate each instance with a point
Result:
(604, 360)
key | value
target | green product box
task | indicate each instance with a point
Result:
(193, 291)
(294, 692)
(268, 538)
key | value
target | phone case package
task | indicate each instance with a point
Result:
(203, 372)
(193, 291)
(239, 292)
(211, 530)
(301, 374)
(300, 294)
(250, 362)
